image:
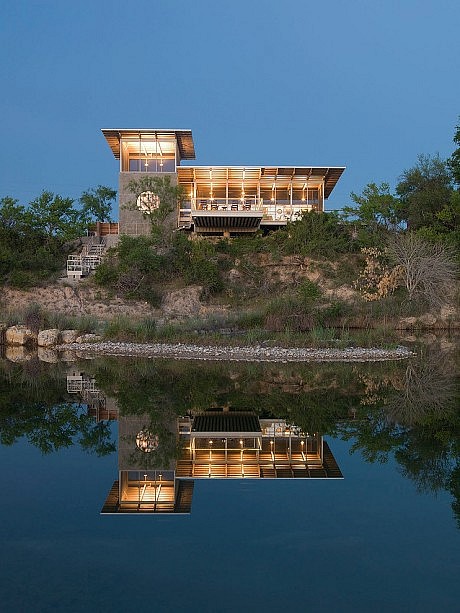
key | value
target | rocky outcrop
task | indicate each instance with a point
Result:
(81, 300)
(68, 336)
(20, 336)
(48, 338)
(183, 302)
(447, 318)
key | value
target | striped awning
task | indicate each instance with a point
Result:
(232, 220)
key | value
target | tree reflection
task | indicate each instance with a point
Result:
(405, 410)
(418, 422)
(34, 405)
(428, 389)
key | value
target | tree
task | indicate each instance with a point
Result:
(313, 234)
(376, 209)
(428, 270)
(96, 203)
(56, 217)
(454, 161)
(424, 190)
(25, 258)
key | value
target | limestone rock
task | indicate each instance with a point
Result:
(407, 322)
(183, 302)
(20, 335)
(427, 320)
(88, 338)
(234, 275)
(48, 338)
(68, 336)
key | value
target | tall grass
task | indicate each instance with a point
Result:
(38, 318)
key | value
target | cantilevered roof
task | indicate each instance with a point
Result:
(184, 139)
(278, 174)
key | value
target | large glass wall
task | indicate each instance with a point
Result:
(148, 153)
(280, 197)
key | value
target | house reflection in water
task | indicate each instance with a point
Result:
(218, 443)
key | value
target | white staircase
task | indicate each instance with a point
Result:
(80, 265)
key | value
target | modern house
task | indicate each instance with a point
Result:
(219, 200)
(157, 471)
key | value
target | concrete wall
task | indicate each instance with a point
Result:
(133, 222)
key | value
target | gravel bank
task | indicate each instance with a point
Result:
(246, 354)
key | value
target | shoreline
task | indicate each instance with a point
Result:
(257, 353)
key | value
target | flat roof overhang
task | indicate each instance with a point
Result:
(184, 139)
(281, 174)
(232, 220)
(218, 423)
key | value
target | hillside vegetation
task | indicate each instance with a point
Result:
(385, 257)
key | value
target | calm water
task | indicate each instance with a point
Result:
(385, 537)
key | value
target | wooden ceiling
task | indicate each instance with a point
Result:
(280, 175)
(184, 139)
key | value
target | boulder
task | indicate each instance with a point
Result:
(48, 338)
(427, 320)
(234, 275)
(20, 336)
(68, 336)
(406, 322)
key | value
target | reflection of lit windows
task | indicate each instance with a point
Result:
(148, 202)
(146, 441)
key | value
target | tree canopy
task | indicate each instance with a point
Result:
(35, 238)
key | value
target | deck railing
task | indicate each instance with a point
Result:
(248, 203)
(278, 211)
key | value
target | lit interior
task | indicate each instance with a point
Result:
(148, 153)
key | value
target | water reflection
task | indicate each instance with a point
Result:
(218, 443)
(402, 410)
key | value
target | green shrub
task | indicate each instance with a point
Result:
(309, 292)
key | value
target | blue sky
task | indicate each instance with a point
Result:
(366, 84)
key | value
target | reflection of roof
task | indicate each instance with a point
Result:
(184, 139)
(216, 421)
